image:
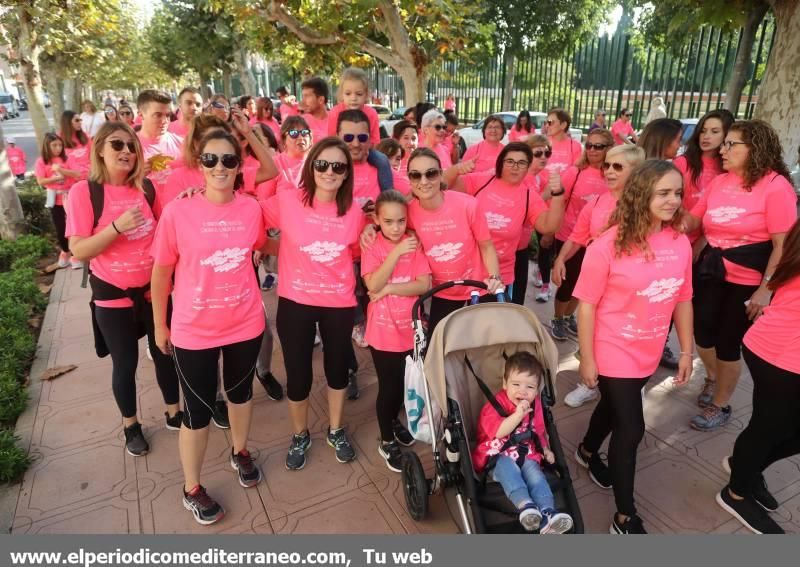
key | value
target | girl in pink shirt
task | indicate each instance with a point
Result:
(622, 129)
(635, 278)
(745, 214)
(523, 129)
(773, 434)
(566, 151)
(17, 159)
(485, 153)
(49, 171)
(207, 243)
(395, 272)
(319, 227)
(77, 146)
(117, 240)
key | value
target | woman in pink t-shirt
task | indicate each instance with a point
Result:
(745, 214)
(118, 244)
(319, 225)
(523, 129)
(265, 115)
(636, 277)
(484, 154)
(207, 243)
(406, 133)
(539, 176)
(622, 129)
(773, 434)
(584, 182)
(450, 103)
(395, 272)
(77, 145)
(296, 139)
(49, 171)
(434, 131)
(566, 151)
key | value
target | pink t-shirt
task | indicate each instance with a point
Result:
(693, 191)
(318, 127)
(271, 123)
(520, 135)
(537, 183)
(44, 170)
(389, 318)
(316, 257)
(16, 159)
(290, 170)
(372, 116)
(79, 158)
(775, 335)
(444, 154)
(168, 144)
(503, 206)
(450, 237)
(450, 104)
(285, 110)
(565, 153)
(179, 128)
(634, 298)
(216, 296)
(400, 180)
(489, 422)
(485, 156)
(126, 262)
(593, 218)
(365, 183)
(734, 217)
(621, 130)
(582, 186)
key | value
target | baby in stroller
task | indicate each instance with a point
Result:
(512, 445)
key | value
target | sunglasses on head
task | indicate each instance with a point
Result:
(597, 147)
(220, 105)
(322, 165)
(540, 153)
(117, 146)
(110, 111)
(430, 174)
(294, 134)
(210, 161)
(618, 167)
(362, 138)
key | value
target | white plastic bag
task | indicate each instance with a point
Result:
(417, 412)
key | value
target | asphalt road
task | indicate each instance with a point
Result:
(21, 129)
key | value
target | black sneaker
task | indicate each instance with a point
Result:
(598, 470)
(668, 359)
(631, 526)
(135, 443)
(390, 451)
(761, 493)
(220, 417)
(271, 386)
(249, 473)
(748, 512)
(174, 422)
(205, 510)
(401, 434)
(344, 450)
(352, 386)
(296, 459)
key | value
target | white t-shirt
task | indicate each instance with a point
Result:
(92, 122)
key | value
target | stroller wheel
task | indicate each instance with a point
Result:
(415, 486)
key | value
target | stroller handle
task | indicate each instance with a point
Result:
(416, 310)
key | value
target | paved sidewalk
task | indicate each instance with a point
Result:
(82, 481)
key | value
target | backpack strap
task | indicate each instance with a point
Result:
(149, 192)
(492, 178)
(97, 198)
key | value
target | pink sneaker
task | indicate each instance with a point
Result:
(63, 260)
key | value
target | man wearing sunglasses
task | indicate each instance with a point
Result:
(314, 105)
(190, 103)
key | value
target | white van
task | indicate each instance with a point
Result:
(8, 100)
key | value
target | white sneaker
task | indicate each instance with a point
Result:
(63, 259)
(75, 264)
(544, 295)
(358, 335)
(580, 395)
(537, 276)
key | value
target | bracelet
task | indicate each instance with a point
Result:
(552, 194)
(493, 277)
(115, 227)
(687, 354)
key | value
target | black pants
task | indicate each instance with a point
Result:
(59, 216)
(296, 325)
(774, 429)
(544, 259)
(620, 414)
(390, 368)
(720, 316)
(198, 373)
(573, 269)
(118, 326)
(520, 276)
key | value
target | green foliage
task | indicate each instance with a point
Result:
(13, 460)
(37, 217)
(27, 248)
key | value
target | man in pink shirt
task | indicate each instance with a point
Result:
(162, 149)
(288, 105)
(314, 105)
(190, 103)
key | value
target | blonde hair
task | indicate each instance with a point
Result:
(634, 155)
(98, 171)
(352, 74)
(537, 140)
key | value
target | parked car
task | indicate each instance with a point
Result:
(7, 100)
(387, 124)
(383, 111)
(474, 134)
(689, 124)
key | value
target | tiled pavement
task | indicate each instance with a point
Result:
(82, 481)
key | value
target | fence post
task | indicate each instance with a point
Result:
(623, 72)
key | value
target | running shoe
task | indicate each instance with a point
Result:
(707, 393)
(269, 281)
(712, 417)
(358, 335)
(344, 450)
(75, 264)
(220, 415)
(390, 451)
(537, 276)
(296, 458)
(271, 386)
(748, 512)
(580, 395)
(135, 443)
(206, 510)
(544, 295)
(558, 329)
(249, 472)
(761, 493)
(572, 325)
(598, 470)
(174, 422)
(352, 385)
(631, 526)
(63, 260)
(668, 359)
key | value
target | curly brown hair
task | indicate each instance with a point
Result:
(632, 214)
(766, 152)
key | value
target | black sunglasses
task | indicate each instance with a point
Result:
(322, 165)
(597, 147)
(618, 167)
(220, 105)
(628, 114)
(438, 127)
(430, 174)
(125, 113)
(362, 138)
(117, 146)
(540, 153)
(294, 134)
(229, 161)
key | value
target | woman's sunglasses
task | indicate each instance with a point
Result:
(362, 138)
(540, 153)
(430, 174)
(229, 161)
(321, 166)
(598, 147)
(618, 167)
(220, 106)
(125, 113)
(117, 146)
(438, 127)
(294, 134)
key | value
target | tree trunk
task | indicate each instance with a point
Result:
(779, 94)
(246, 76)
(12, 219)
(227, 84)
(55, 88)
(206, 91)
(29, 53)
(509, 65)
(72, 88)
(415, 84)
(744, 55)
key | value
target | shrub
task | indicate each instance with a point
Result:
(33, 198)
(13, 460)
(27, 247)
(13, 398)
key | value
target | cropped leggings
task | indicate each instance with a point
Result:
(390, 368)
(573, 269)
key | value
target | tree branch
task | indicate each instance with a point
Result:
(380, 52)
(395, 30)
(277, 13)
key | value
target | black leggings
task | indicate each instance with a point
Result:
(573, 269)
(720, 316)
(520, 276)
(296, 325)
(774, 429)
(390, 368)
(118, 327)
(59, 216)
(198, 373)
(544, 259)
(619, 413)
